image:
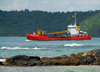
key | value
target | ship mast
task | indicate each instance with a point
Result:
(75, 18)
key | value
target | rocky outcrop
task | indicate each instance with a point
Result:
(90, 58)
(22, 60)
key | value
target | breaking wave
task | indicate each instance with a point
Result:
(73, 44)
(14, 48)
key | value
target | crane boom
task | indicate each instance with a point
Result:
(57, 32)
(40, 32)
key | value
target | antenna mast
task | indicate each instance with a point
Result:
(75, 18)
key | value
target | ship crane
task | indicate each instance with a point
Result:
(73, 33)
(42, 32)
(57, 32)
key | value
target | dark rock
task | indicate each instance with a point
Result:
(58, 57)
(64, 56)
(23, 57)
(34, 57)
(52, 60)
(90, 53)
(96, 53)
(90, 59)
(83, 60)
(98, 58)
(1, 63)
(22, 60)
(63, 61)
(72, 61)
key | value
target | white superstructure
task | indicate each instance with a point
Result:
(73, 29)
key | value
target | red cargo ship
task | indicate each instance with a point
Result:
(73, 33)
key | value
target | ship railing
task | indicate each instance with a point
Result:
(79, 35)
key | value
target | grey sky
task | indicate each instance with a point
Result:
(50, 5)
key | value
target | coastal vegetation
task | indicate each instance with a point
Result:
(92, 25)
(19, 23)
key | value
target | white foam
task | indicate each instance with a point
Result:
(38, 48)
(20, 48)
(2, 60)
(73, 44)
(27, 40)
(12, 48)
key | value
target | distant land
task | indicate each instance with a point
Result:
(19, 23)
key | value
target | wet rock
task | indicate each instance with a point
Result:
(90, 59)
(70, 61)
(96, 53)
(23, 57)
(82, 59)
(34, 58)
(1, 58)
(60, 60)
(84, 54)
(90, 53)
(58, 57)
(1, 64)
(22, 60)
(72, 55)
(6, 58)
(98, 58)
(56, 60)
(44, 57)
(79, 54)
(95, 50)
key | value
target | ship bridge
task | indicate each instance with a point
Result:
(73, 30)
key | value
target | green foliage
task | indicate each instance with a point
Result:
(92, 25)
(19, 23)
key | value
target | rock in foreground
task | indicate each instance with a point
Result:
(22, 60)
(89, 58)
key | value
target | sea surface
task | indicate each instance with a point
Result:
(11, 46)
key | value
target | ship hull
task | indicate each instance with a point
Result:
(51, 38)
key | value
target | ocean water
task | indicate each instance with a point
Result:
(11, 46)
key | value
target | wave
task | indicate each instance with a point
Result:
(37, 48)
(73, 44)
(27, 40)
(15, 48)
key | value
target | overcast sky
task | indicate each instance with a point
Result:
(50, 5)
